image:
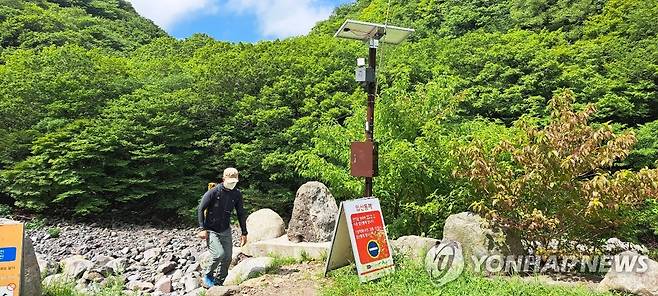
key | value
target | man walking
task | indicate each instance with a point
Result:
(215, 221)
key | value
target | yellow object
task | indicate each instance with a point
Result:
(11, 256)
(212, 185)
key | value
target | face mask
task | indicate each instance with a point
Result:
(230, 185)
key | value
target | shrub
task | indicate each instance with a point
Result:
(112, 287)
(560, 182)
(35, 223)
(5, 211)
(54, 232)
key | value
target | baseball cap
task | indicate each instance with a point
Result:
(230, 175)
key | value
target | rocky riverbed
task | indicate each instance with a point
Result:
(166, 259)
(154, 258)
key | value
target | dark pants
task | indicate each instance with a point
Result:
(221, 249)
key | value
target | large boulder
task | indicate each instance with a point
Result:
(264, 224)
(247, 269)
(313, 214)
(31, 274)
(412, 246)
(479, 239)
(632, 273)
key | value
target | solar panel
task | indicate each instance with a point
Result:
(358, 30)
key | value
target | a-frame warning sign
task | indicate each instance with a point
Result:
(360, 233)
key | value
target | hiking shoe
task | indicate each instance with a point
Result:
(209, 281)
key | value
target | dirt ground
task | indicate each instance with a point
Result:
(303, 279)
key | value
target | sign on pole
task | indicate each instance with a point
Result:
(11, 253)
(360, 238)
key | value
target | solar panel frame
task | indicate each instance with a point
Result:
(358, 30)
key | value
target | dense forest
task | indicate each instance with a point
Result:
(100, 109)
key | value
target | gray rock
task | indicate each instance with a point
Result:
(166, 267)
(151, 253)
(139, 286)
(46, 266)
(166, 256)
(203, 262)
(196, 292)
(313, 215)
(194, 267)
(264, 224)
(133, 277)
(100, 264)
(177, 275)
(479, 239)
(223, 290)
(93, 276)
(616, 246)
(163, 285)
(235, 255)
(101, 260)
(42, 262)
(247, 269)
(185, 253)
(82, 287)
(190, 282)
(117, 266)
(55, 279)
(75, 266)
(412, 246)
(632, 273)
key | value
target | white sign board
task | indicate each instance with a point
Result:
(360, 238)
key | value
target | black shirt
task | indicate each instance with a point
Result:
(220, 202)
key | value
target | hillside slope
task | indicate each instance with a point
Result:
(111, 24)
(87, 123)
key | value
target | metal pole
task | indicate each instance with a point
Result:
(370, 113)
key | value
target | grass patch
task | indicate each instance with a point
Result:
(35, 223)
(280, 261)
(54, 232)
(412, 279)
(113, 287)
